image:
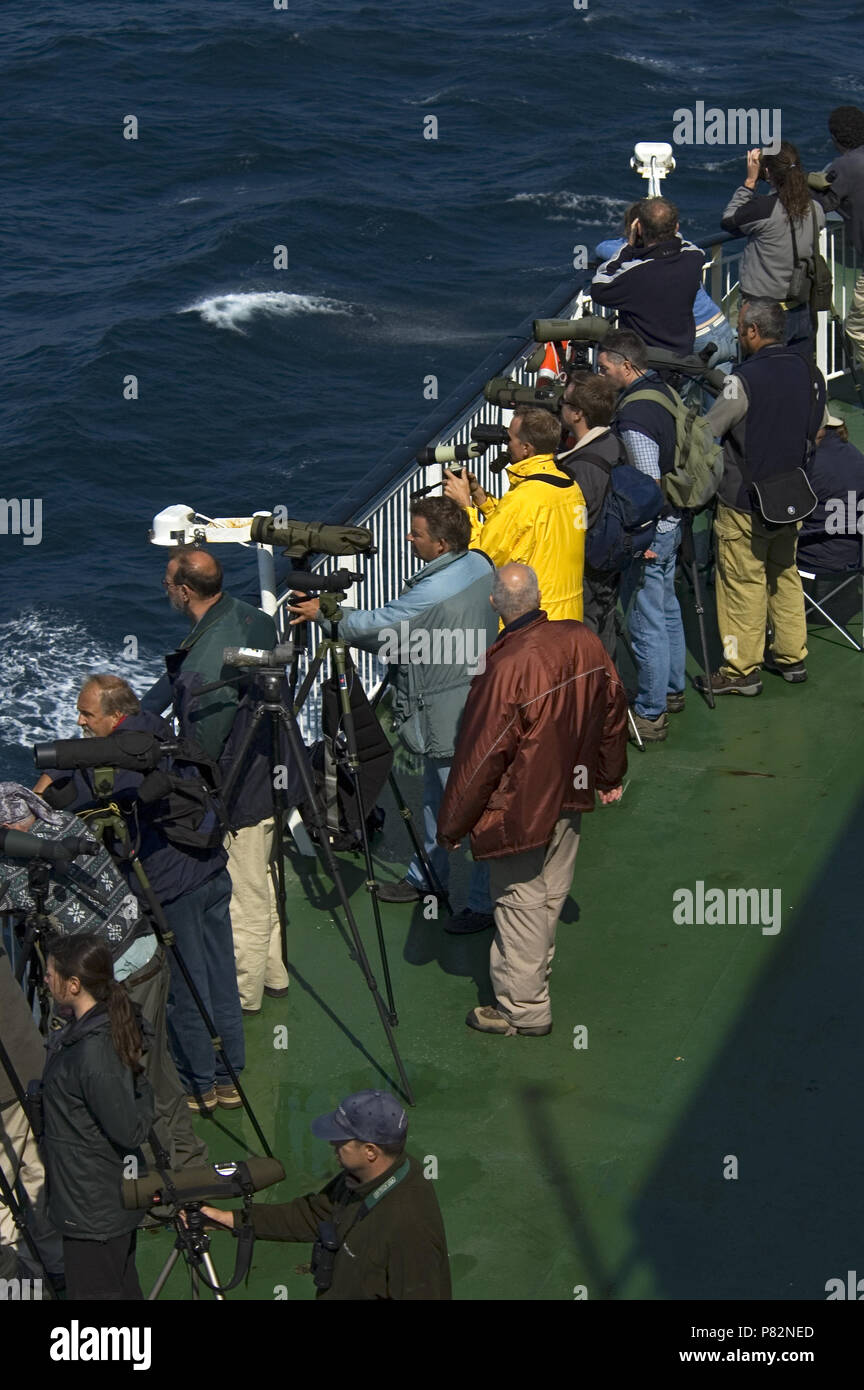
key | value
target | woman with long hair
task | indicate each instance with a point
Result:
(768, 221)
(98, 1110)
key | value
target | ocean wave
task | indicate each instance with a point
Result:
(233, 310)
(597, 209)
(670, 65)
(44, 656)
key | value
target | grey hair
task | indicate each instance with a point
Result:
(767, 316)
(515, 591)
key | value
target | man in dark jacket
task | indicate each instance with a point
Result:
(652, 281)
(647, 430)
(545, 728)
(386, 1235)
(768, 412)
(194, 890)
(830, 537)
(586, 410)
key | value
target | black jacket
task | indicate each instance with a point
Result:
(96, 1116)
(830, 538)
(653, 289)
(398, 1251)
(171, 870)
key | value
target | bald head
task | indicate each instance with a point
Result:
(197, 570)
(515, 592)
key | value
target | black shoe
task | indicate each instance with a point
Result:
(401, 892)
(729, 685)
(276, 993)
(250, 1013)
(466, 922)
(795, 672)
(675, 702)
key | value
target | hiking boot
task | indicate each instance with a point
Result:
(228, 1097)
(250, 1013)
(795, 672)
(675, 702)
(466, 922)
(401, 892)
(488, 1020)
(203, 1102)
(650, 730)
(729, 685)
(275, 993)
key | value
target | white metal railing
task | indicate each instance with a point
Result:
(388, 517)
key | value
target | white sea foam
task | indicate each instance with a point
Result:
(234, 310)
(44, 656)
(596, 209)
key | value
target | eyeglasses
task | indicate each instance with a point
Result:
(169, 584)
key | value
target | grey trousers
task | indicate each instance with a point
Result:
(528, 891)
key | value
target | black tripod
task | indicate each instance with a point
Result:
(691, 564)
(271, 707)
(10, 1200)
(36, 927)
(193, 1243)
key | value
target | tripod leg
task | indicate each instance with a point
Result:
(636, 734)
(688, 557)
(298, 752)
(277, 863)
(211, 1275)
(162, 1278)
(419, 848)
(354, 770)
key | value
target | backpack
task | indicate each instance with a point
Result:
(183, 798)
(628, 515)
(695, 476)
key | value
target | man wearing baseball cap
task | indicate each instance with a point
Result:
(376, 1227)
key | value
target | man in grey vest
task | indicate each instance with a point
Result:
(766, 415)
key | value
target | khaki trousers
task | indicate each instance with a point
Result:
(528, 891)
(254, 915)
(22, 1168)
(854, 324)
(757, 579)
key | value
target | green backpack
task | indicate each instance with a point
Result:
(695, 476)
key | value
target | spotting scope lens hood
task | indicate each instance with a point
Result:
(311, 537)
(590, 329)
(219, 1181)
(135, 751)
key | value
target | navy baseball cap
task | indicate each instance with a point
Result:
(375, 1117)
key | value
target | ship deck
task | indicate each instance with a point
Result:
(609, 1168)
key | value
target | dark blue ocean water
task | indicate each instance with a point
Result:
(303, 127)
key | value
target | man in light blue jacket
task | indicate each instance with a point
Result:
(434, 637)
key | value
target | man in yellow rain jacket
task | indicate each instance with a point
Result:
(541, 521)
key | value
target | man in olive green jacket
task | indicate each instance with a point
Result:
(377, 1226)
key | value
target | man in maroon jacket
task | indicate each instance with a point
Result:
(544, 728)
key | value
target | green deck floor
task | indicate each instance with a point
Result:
(603, 1167)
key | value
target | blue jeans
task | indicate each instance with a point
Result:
(435, 774)
(655, 626)
(201, 922)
